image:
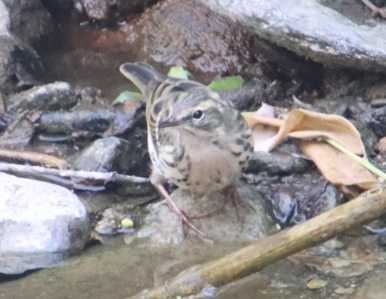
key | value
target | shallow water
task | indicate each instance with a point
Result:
(119, 270)
(79, 60)
(113, 271)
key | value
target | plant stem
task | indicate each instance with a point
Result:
(360, 160)
(247, 113)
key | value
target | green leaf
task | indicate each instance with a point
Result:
(227, 83)
(128, 96)
(179, 72)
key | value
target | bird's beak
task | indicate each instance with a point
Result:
(170, 122)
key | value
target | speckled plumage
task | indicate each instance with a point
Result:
(196, 139)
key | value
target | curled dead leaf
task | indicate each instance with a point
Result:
(312, 127)
(382, 145)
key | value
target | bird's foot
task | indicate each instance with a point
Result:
(183, 218)
(375, 9)
(230, 193)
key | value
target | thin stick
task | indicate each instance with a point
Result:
(87, 175)
(365, 208)
(33, 158)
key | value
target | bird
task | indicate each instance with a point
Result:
(197, 139)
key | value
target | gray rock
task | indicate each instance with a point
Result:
(21, 128)
(19, 64)
(112, 9)
(112, 154)
(294, 199)
(50, 97)
(96, 9)
(375, 119)
(248, 97)
(5, 21)
(30, 21)
(277, 162)
(369, 138)
(60, 7)
(312, 30)
(214, 214)
(373, 288)
(40, 224)
(189, 34)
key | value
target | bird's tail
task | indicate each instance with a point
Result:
(140, 73)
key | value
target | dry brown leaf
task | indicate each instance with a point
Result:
(382, 145)
(337, 167)
(309, 126)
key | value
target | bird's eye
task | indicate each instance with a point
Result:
(198, 114)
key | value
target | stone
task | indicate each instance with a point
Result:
(373, 288)
(310, 29)
(112, 9)
(112, 154)
(214, 214)
(20, 64)
(30, 21)
(40, 224)
(51, 97)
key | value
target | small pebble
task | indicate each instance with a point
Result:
(128, 239)
(344, 291)
(316, 284)
(340, 263)
(127, 222)
(334, 243)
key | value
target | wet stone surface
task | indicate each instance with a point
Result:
(332, 40)
(278, 162)
(108, 10)
(112, 154)
(31, 22)
(50, 97)
(296, 198)
(373, 288)
(214, 215)
(178, 33)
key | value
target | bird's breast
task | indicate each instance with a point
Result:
(203, 165)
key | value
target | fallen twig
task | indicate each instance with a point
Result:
(86, 175)
(33, 158)
(365, 208)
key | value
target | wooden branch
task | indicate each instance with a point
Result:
(365, 208)
(33, 158)
(86, 175)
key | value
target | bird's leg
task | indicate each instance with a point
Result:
(375, 9)
(181, 215)
(230, 193)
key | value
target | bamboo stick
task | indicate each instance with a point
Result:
(365, 208)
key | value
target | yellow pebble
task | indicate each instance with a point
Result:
(316, 284)
(127, 222)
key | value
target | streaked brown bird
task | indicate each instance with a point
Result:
(197, 140)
